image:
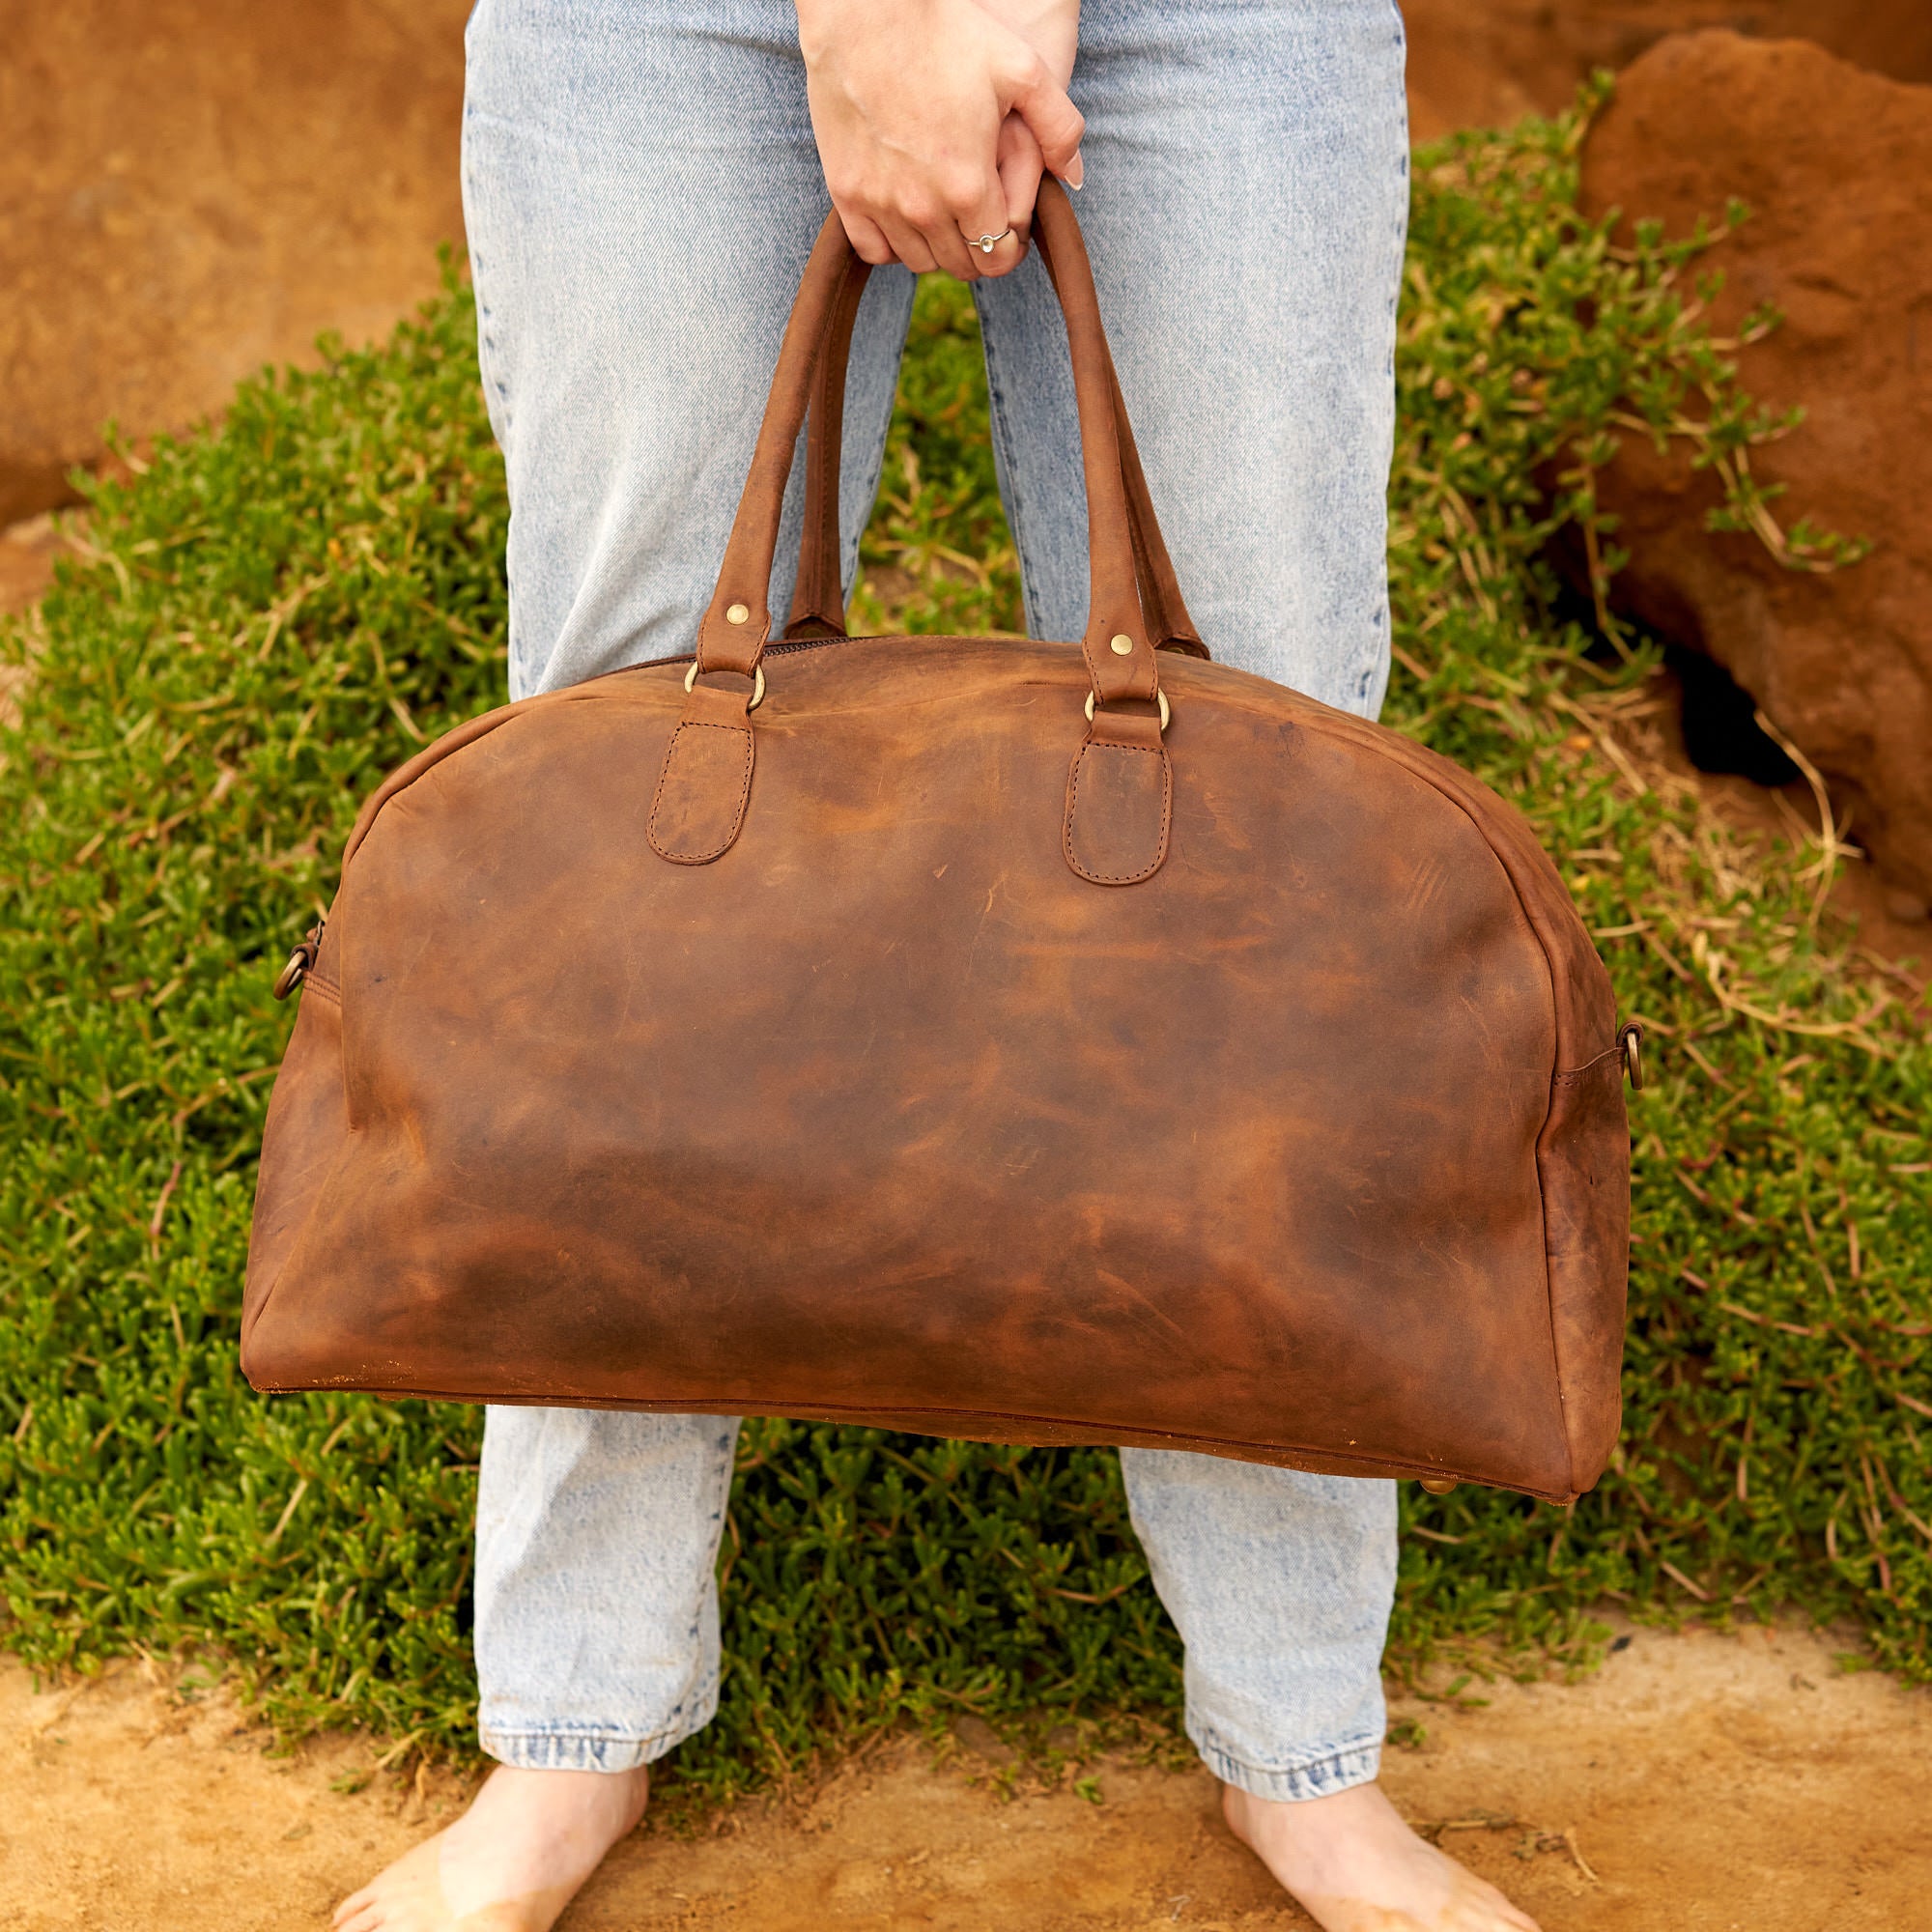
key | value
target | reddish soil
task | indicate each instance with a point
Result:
(1698, 1783)
(190, 188)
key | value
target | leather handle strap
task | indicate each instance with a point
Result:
(818, 602)
(818, 597)
(1172, 628)
(732, 632)
(1117, 647)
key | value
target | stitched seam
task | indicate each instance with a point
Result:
(1073, 799)
(1588, 1067)
(744, 789)
(327, 990)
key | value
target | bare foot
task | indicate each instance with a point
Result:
(1356, 1867)
(511, 1863)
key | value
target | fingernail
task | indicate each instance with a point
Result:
(1076, 172)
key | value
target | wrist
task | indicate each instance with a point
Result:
(826, 25)
(1051, 28)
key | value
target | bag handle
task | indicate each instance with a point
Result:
(1120, 787)
(818, 602)
(818, 594)
(1117, 647)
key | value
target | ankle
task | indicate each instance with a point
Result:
(1303, 1839)
(590, 1809)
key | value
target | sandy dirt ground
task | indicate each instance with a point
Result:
(1698, 1783)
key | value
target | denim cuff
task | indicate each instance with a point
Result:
(584, 1749)
(1320, 1776)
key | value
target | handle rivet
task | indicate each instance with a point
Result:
(736, 614)
(1439, 1486)
(1122, 646)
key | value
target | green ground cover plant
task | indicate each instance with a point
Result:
(267, 617)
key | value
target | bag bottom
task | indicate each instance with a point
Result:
(1027, 1432)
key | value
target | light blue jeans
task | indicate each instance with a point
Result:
(641, 189)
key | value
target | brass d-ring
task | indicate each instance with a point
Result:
(757, 684)
(1630, 1038)
(1165, 713)
(301, 962)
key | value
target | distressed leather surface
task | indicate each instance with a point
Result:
(706, 781)
(823, 1078)
(888, 1113)
(1120, 803)
(1583, 1159)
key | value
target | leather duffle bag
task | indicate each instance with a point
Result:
(1027, 1042)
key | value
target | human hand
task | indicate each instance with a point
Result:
(934, 119)
(1052, 29)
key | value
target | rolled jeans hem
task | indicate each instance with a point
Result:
(1340, 1770)
(585, 1751)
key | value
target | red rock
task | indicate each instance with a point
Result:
(1837, 167)
(191, 187)
(1487, 63)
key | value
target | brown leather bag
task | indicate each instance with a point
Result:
(1037, 1042)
